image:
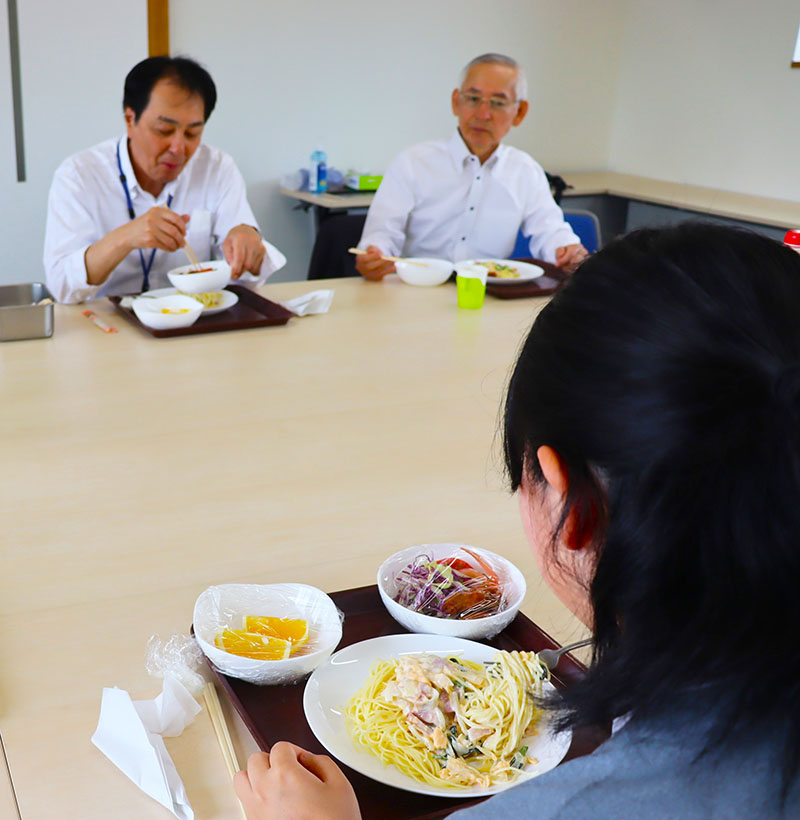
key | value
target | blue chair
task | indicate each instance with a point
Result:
(585, 224)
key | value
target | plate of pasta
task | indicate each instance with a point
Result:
(435, 715)
(213, 302)
(505, 271)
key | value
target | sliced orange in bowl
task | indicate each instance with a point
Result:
(294, 630)
(253, 645)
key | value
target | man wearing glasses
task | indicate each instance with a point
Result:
(469, 196)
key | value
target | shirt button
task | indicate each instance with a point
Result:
(472, 208)
(463, 238)
(478, 177)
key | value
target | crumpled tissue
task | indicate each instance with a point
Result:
(130, 733)
(318, 301)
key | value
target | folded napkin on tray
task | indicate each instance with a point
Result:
(318, 301)
(130, 733)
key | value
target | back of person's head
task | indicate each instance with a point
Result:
(666, 375)
(182, 71)
(493, 58)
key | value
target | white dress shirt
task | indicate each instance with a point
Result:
(437, 200)
(87, 201)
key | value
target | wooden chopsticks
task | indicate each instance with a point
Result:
(192, 255)
(221, 730)
(188, 250)
(359, 252)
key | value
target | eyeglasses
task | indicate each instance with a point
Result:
(475, 101)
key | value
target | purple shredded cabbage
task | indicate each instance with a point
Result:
(425, 585)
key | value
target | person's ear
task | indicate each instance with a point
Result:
(454, 101)
(522, 110)
(575, 534)
(130, 117)
(553, 469)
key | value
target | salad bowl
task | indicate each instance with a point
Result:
(416, 566)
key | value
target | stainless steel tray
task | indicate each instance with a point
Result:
(20, 315)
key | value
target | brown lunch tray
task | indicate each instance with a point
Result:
(549, 282)
(274, 713)
(251, 310)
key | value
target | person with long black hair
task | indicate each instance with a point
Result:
(652, 433)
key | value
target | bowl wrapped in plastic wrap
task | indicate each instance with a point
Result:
(226, 606)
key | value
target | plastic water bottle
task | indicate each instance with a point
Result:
(318, 173)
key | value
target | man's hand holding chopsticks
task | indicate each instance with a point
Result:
(156, 228)
(372, 265)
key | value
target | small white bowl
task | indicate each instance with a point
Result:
(227, 604)
(149, 311)
(434, 271)
(475, 629)
(215, 279)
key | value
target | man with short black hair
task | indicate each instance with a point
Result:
(469, 196)
(120, 213)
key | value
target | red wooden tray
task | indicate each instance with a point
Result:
(273, 713)
(251, 310)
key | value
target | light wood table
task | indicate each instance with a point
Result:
(137, 471)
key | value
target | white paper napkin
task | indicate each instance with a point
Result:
(130, 734)
(318, 301)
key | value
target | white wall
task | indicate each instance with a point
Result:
(365, 79)
(705, 95)
(72, 68)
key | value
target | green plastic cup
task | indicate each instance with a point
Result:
(471, 291)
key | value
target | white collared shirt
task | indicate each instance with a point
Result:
(437, 200)
(87, 201)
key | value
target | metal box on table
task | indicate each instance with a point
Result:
(21, 317)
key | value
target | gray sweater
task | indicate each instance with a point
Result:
(655, 770)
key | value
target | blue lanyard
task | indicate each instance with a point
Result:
(149, 264)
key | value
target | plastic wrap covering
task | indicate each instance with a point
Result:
(226, 606)
(179, 656)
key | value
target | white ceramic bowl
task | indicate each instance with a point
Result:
(475, 629)
(149, 311)
(434, 272)
(215, 279)
(227, 604)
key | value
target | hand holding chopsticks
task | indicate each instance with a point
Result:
(359, 252)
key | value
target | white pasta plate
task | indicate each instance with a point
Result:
(526, 270)
(334, 682)
(229, 299)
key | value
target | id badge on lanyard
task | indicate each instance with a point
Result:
(146, 266)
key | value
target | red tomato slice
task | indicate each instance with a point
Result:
(456, 563)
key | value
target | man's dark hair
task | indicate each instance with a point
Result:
(182, 71)
(666, 375)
